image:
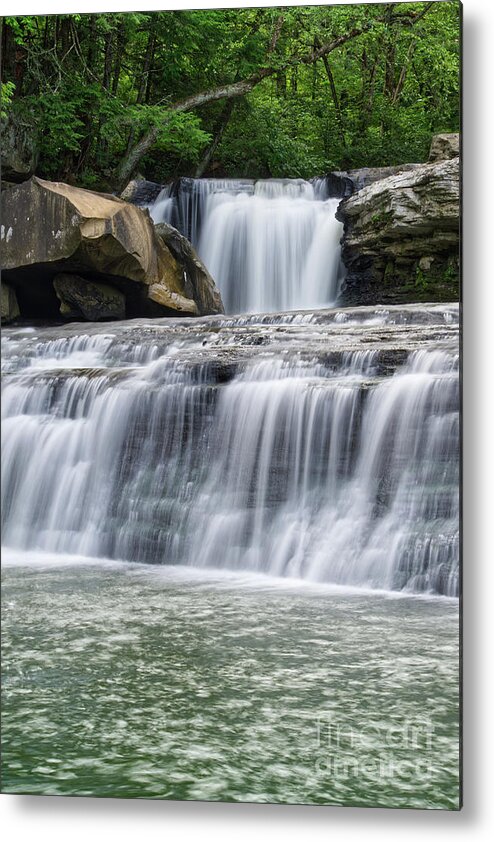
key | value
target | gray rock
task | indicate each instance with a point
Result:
(392, 225)
(198, 282)
(444, 147)
(139, 191)
(88, 299)
(365, 176)
(19, 150)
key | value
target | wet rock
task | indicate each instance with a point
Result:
(88, 299)
(198, 283)
(339, 185)
(139, 191)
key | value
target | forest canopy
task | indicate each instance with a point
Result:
(288, 91)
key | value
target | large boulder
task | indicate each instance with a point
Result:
(444, 147)
(53, 228)
(198, 282)
(401, 237)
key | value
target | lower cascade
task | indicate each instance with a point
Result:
(270, 245)
(318, 445)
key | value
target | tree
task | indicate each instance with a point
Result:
(228, 91)
(266, 91)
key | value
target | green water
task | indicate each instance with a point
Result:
(129, 681)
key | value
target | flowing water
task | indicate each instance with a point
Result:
(270, 245)
(289, 478)
(320, 446)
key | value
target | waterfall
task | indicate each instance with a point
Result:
(270, 245)
(162, 209)
(319, 445)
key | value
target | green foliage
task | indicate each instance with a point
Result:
(22, 27)
(438, 280)
(57, 126)
(451, 271)
(95, 84)
(6, 93)
(420, 279)
(382, 218)
(178, 131)
(265, 138)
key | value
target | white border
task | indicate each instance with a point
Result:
(50, 818)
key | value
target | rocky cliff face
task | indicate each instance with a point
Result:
(368, 175)
(52, 229)
(401, 237)
(141, 192)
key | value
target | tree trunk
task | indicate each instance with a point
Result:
(314, 74)
(389, 77)
(145, 70)
(92, 42)
(334, 95)
(65, 35)
(403, 75)
(118, 58)
(367, 92)
(220, 127)
(46, 32)
(8, 50)
(281, 83)
(19, 69)
(294, 80)
(134, 155)
(107, 68)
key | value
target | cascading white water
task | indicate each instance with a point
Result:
(305, 454)
(162, 208)
(270, 245)
(183, 204)
(367, 491)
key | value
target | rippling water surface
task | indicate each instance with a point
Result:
(128, 680)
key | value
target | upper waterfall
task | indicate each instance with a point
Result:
(271, 245)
